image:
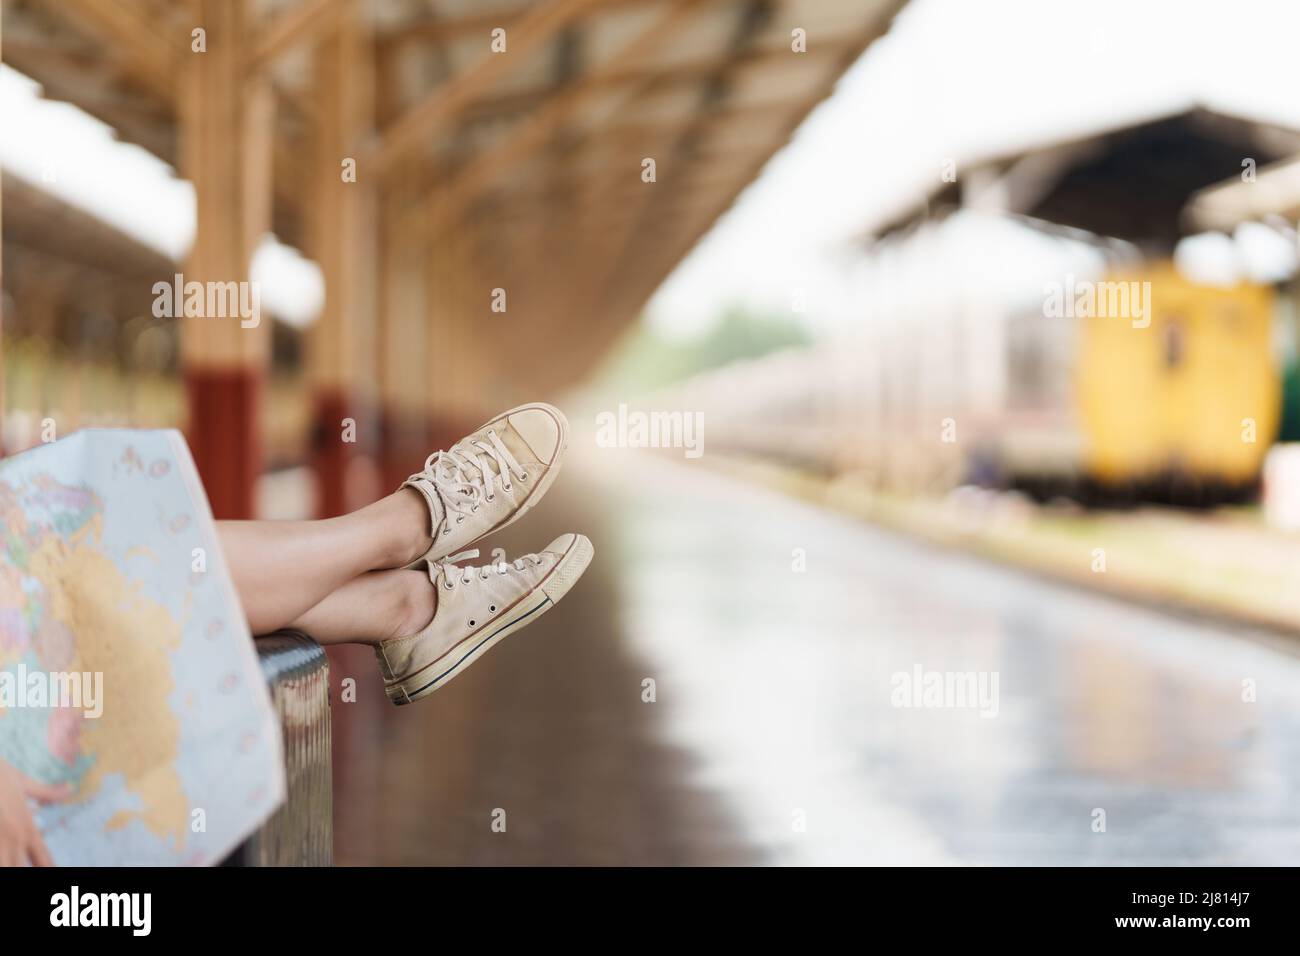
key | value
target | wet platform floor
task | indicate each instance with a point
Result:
(1118, 734)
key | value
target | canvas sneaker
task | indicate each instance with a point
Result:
(491, 477)
(477, 608)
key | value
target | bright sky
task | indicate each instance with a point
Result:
(962, 79)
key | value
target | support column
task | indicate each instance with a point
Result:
(451, 324)
(404, 368)
(226, 128)
(341, 345)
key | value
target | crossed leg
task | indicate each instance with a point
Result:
(374, 607)
(332, 578)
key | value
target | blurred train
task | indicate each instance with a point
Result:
(1173, 397)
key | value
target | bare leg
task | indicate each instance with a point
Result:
(372, 608)
(282, 569)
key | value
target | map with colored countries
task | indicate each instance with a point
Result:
(127, 673)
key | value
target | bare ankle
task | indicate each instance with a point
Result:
(398, 526)
(416, 601)
(414, 520)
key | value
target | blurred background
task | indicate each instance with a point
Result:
(932, 369)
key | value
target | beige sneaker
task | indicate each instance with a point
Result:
(491, 477)
(477, 607)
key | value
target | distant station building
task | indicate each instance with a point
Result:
(1133, 183)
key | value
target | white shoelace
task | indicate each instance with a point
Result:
(463, 476)
(453, 573)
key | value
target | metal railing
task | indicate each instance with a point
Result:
(301, 832)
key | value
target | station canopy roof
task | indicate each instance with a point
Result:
(1132, 182)
(709, 88)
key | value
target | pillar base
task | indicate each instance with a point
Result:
(330, 453)
(225, 436)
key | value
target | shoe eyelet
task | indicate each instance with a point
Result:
(448, 585)
(471, 623)
(523, 477)
(474, 509)
(507, 487)
(492, 608)
(459, 519)
(446, 531)
(490, 498)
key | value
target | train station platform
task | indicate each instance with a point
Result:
(1229, 564)
(777, 733)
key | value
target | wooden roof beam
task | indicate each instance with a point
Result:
(579, 187)
(613, 78)
(629, 296)
(307, 21)
(538, 27)
(447, 202)
(615, 249)
(434, 32)
(147, 50)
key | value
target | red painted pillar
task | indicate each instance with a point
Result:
(224, 437)
(330, 452)
(402, 446)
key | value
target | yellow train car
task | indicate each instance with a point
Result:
(1180, 386)
(1140, 386)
